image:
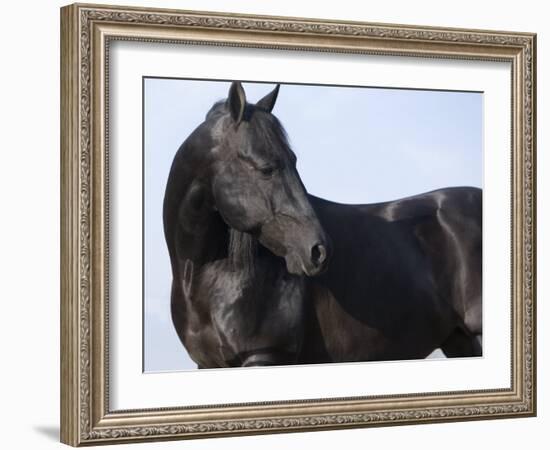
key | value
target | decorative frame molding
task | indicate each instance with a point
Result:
(86, 31)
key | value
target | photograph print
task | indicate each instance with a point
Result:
(289, 224)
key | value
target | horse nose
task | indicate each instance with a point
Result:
(318, 255)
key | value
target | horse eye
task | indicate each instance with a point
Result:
(267, 171)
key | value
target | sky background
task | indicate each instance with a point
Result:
(354, 145)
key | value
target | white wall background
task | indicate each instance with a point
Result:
(29, 233)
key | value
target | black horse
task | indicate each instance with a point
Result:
(264, 273)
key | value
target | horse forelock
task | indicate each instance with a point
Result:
(264, 131)
(267, 127)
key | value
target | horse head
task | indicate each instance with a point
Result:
(255, 185)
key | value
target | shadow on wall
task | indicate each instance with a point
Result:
(49, 431)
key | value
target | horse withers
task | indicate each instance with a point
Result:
(265, 274)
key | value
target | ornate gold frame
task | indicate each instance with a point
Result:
(86, 31)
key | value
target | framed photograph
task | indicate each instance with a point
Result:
(275, 224)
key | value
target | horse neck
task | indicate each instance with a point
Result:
(212, 240)
(195, 231)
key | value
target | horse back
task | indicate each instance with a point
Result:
(447, 226)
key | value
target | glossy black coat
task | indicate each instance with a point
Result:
(264, 273)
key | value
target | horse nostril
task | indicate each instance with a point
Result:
(318, 254)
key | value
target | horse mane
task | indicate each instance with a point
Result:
(242, 251)
(218, 109)
(268, 127)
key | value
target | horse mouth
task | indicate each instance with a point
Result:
(296, 266)
(308, 257)
(313, 272)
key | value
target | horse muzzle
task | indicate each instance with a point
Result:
(306, 250)
(311, 263)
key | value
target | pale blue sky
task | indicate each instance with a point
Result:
(354, 145)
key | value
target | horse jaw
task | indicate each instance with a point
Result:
(296, 266)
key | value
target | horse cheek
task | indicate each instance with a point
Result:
(241, 204)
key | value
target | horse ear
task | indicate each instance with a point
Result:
(236, 100)
(268, 102)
